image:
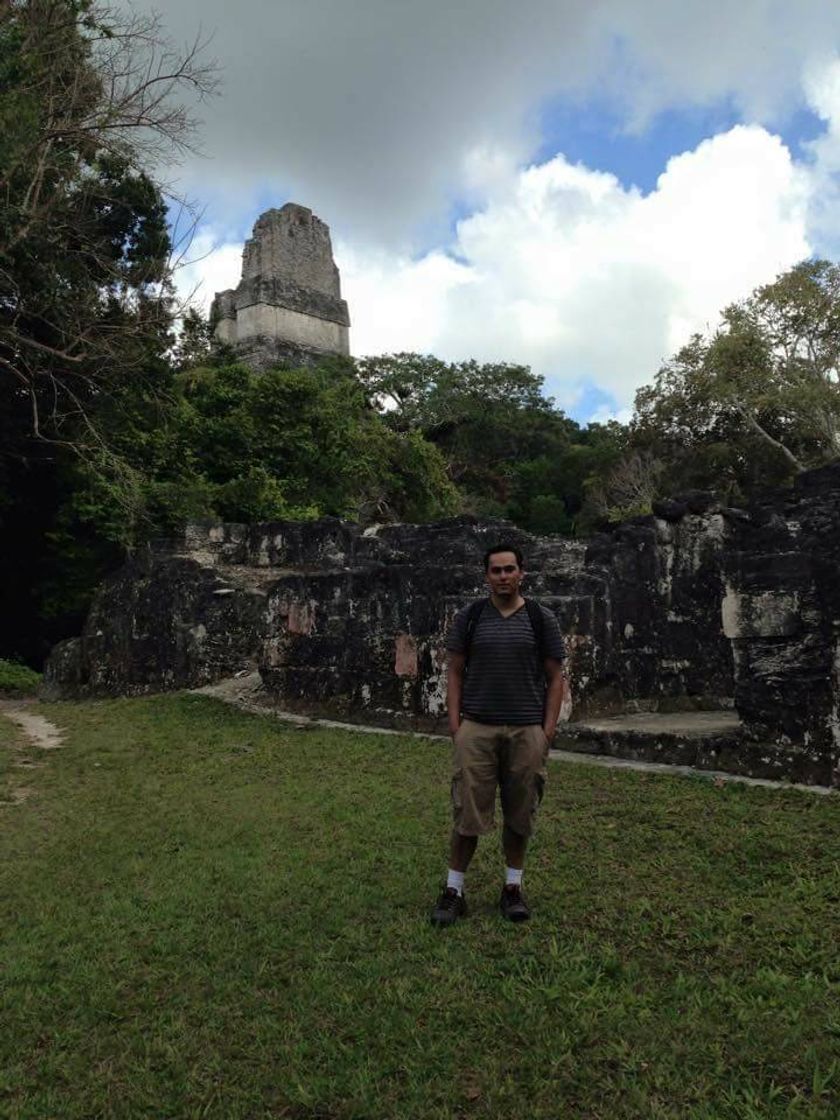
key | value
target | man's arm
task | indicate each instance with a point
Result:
(556, 690)
(454, 689)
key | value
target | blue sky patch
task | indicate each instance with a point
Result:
(594, 134)
(591, 400)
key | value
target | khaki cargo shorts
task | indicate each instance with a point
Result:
(505, 756)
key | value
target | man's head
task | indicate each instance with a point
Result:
(503, 570)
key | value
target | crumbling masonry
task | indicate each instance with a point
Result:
(695, 606)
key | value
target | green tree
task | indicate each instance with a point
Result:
(758, 400)
(313, 431)
(508, 449)
(628, 488)
(89, 99)
(423, 392)
(247, 446)
(558, 493)
(194, 346)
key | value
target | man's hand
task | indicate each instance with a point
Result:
(454, 689)
(554, 696)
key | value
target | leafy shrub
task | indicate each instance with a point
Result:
(17, 679)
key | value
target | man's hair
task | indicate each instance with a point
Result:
(517, 552)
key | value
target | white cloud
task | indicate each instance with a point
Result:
(586, 281)
(822, 87)
(211, 264)
(698, 52)
(571, 273)
(397, 303)
(604, 413)
(369, 111)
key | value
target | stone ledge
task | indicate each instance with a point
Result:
(248, 693)
(700, 740)
(285, 293)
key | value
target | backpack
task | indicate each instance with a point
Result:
(535, 616)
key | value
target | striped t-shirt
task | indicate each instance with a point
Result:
(504, 680)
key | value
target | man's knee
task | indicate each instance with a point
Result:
(474, 779)
(523, 784)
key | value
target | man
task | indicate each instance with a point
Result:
(505, 687)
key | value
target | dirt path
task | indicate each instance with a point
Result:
(40, 735)
(38, 730)
(247, 693)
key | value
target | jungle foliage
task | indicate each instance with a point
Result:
(509, 450)
(109, 434)
(756, 401)
(85, 294)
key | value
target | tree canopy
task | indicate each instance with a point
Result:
(510, 451)
(759, 399)
(85, 298)
(88, 96)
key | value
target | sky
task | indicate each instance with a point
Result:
(577, 185)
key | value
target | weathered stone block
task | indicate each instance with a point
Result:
(766, 614)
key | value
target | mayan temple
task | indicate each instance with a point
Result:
(288, 305)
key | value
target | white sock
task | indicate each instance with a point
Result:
(513, 877)
(455, 879)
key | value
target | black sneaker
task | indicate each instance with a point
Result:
(449, 908)
(512, 905)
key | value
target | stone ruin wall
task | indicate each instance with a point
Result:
(351, 622)
(696, 606)
(781, 611)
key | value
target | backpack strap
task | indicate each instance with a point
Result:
(537, 620)
(473, 615)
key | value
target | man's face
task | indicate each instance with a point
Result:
(504, 575)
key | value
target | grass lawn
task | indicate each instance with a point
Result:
(210, 914)
(13, 749)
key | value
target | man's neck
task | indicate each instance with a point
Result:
(509, 606)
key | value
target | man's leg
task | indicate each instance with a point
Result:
(474, 781)
(461, 851)
(522, 781)
(514, 847)
(474, 775)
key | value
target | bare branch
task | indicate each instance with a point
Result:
(749, 419)
(102, 99)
